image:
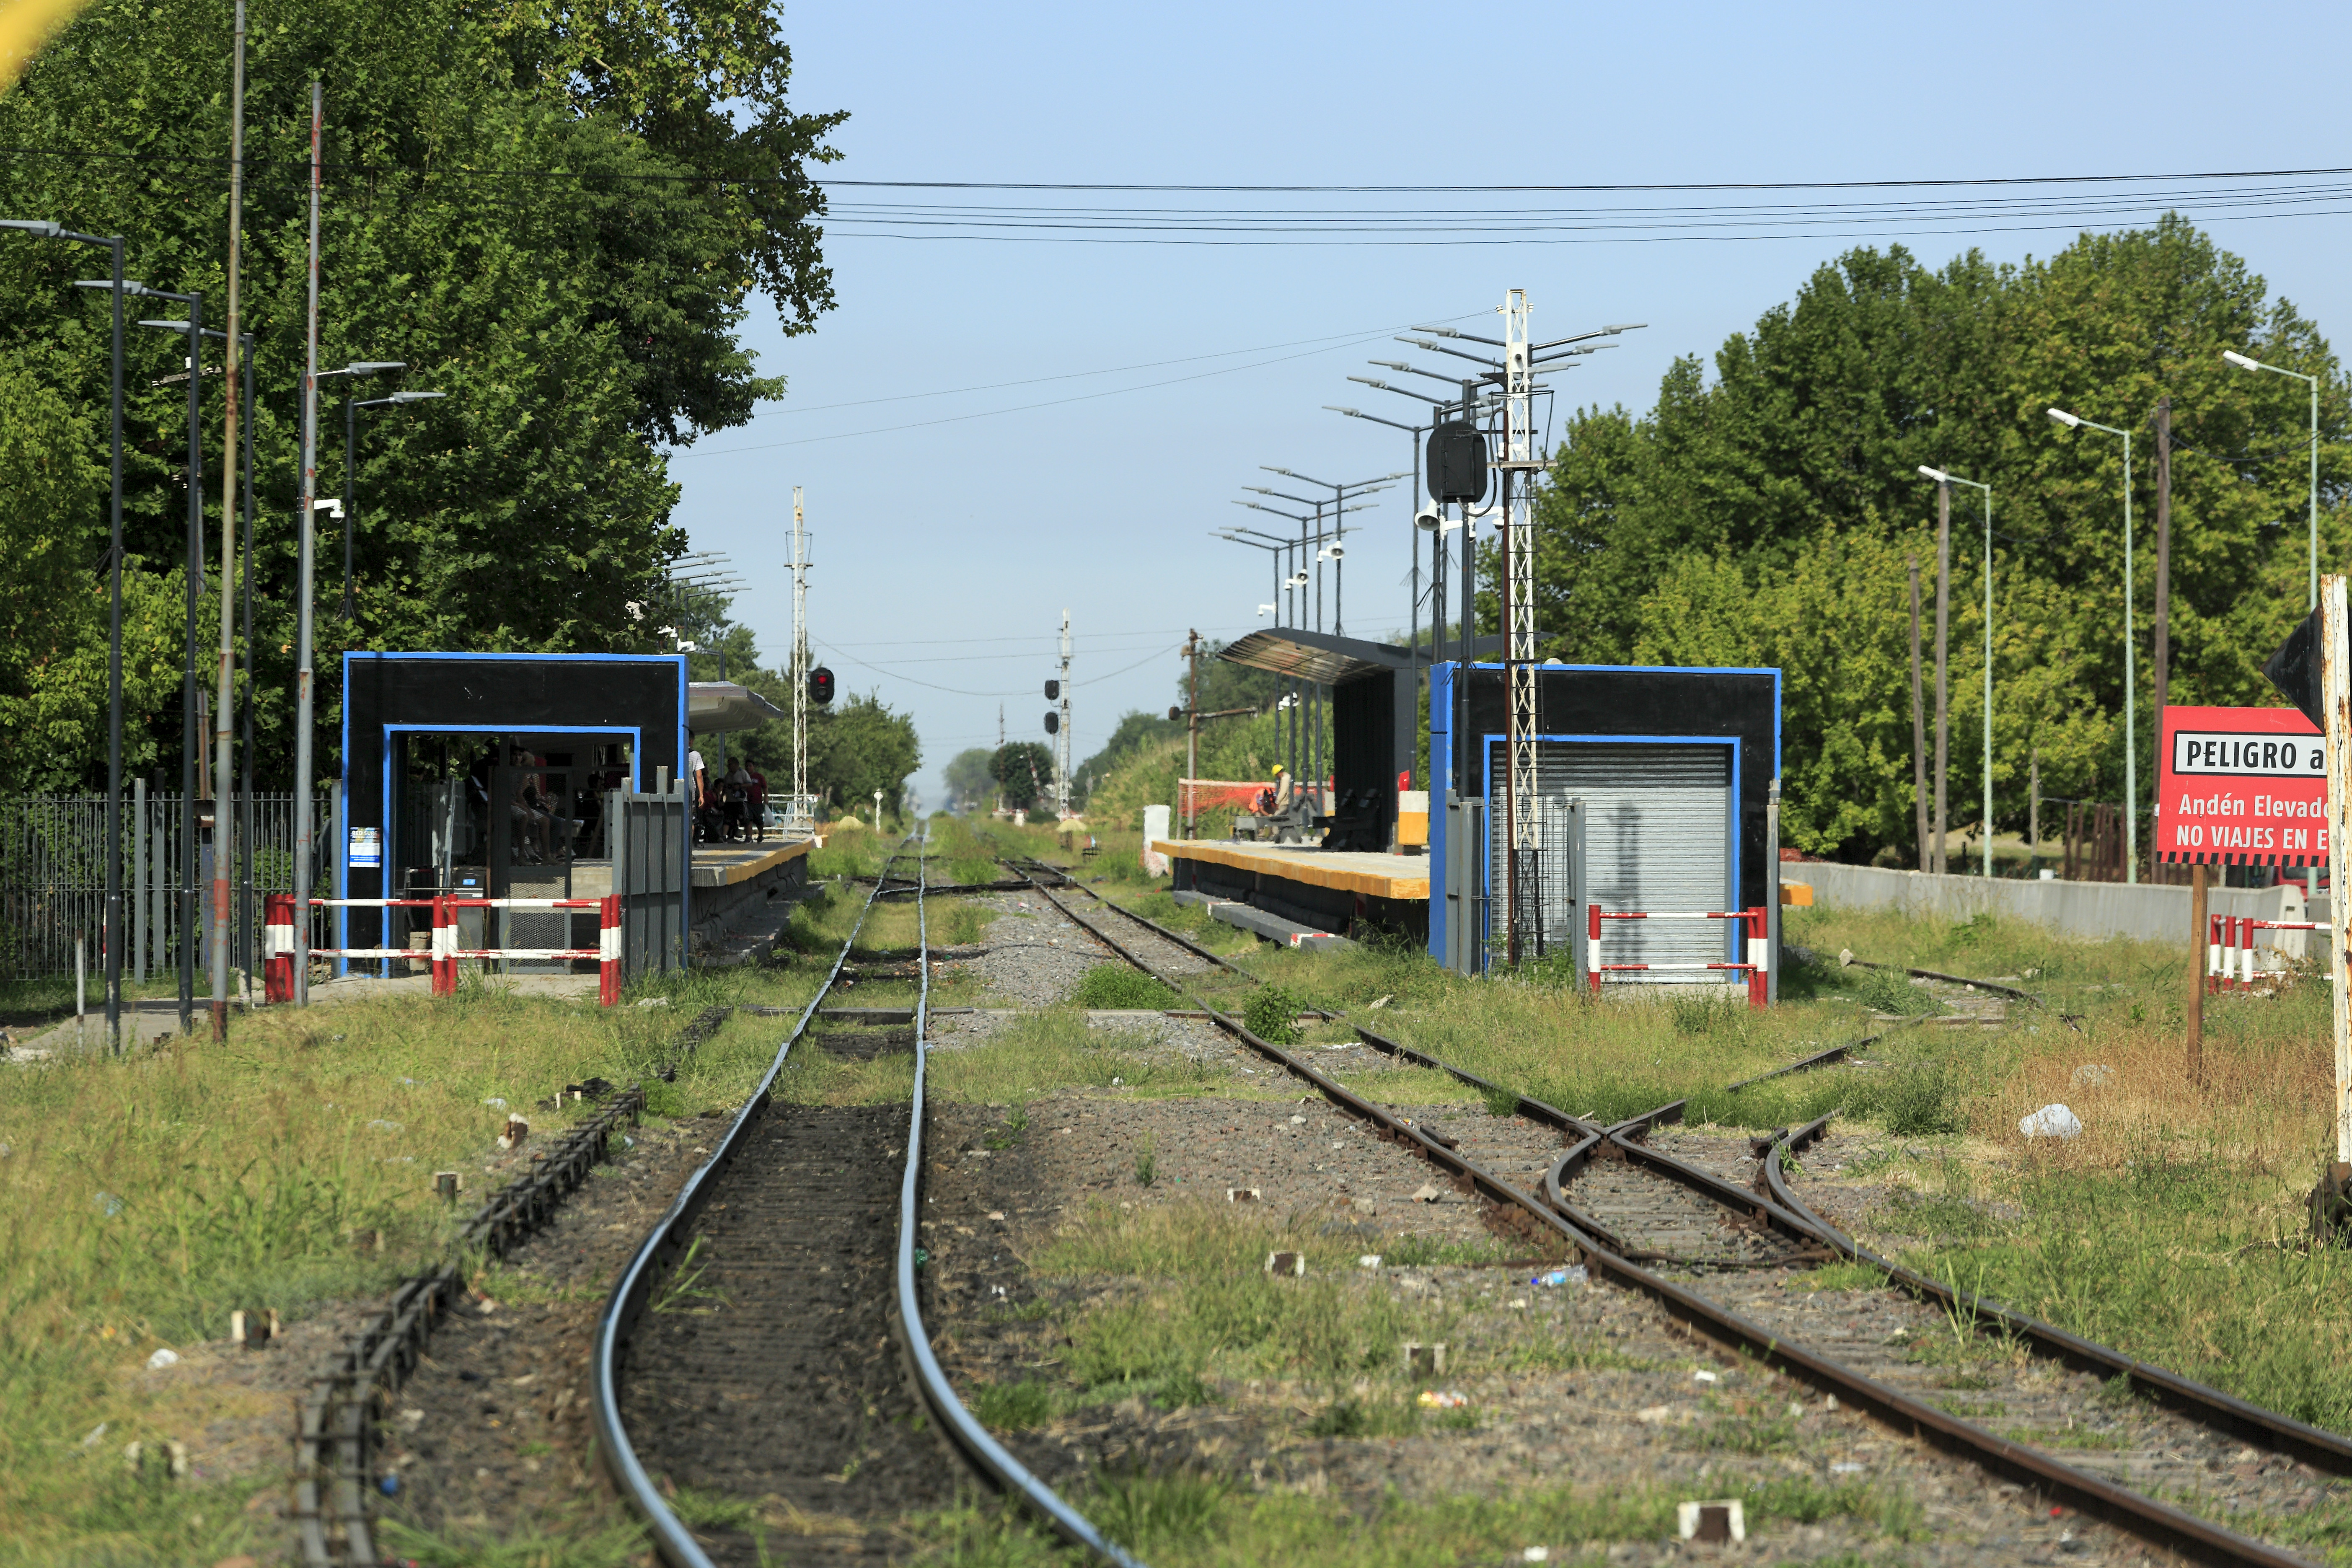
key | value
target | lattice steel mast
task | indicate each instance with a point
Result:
(800, 662)
(1524, 893)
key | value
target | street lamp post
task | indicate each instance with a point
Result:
(1943, 477)
(2243, 362)
(2131, 723)
(193, 327)
(118, 287)
(1414, 431)
(351, 481)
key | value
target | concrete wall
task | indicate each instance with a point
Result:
(2151, 913)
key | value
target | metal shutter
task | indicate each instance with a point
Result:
(1657, 836)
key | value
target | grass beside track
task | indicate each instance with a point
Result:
(149, 1197)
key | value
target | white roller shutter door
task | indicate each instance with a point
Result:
(1658, 827)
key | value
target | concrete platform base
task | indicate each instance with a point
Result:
(1261, 922)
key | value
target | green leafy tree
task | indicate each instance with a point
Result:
(1766, 517)
(1023, 771)
(558, 216)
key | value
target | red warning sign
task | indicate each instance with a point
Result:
(2242, 787)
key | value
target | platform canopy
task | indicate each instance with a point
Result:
(1325, 660)
(1318, 656)
(714, 707)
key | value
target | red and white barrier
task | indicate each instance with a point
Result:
(2230, 961)
(443, 954)
(1759, 967)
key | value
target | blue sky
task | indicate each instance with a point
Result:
(951, 531)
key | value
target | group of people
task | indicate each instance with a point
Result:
(732, 808)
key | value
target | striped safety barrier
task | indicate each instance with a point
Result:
(1759, 967)
(444, 954)
(2229, 961)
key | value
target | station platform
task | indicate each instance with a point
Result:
(730, 864)
(1333, 890)
(739, 897)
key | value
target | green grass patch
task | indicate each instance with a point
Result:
(152, 1196)
(1119, 986)
(1841, 1276)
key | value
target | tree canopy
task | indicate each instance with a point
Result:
(558, 216)
(1769, 515)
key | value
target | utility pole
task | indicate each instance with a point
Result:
(2163, 555)
(305, 830)
(1918, 732)
(1524, 913)
(800, 658)
(225, 697)
(1062, 747)
(1943, 635)
(1192, 724)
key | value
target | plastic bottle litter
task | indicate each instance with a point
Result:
(162, 1359)
(1558, 1277)
(2051, 1121)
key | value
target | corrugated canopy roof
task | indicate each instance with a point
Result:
(1325, 660)
(713, 707)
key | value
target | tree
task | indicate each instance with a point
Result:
(1765, 518)
(555, 214)
(1023, 771)
(970, 783)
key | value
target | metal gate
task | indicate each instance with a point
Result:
(648, 836)
(1659, 832)
(53, 880)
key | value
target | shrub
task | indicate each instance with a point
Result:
(1115, 985)
(1272, 1016)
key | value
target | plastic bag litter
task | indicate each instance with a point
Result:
(162, 1359)
(1441, 1399)
(2051, 1121)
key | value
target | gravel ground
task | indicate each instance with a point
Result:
(1035, 954)
(1636, 1413)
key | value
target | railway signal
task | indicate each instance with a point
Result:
(820, 686)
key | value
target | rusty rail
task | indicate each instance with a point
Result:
(2144, 1516)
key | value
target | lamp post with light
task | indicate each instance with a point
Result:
(351, 484)
(2243, 362)
(1946, 479)
(2131, 723)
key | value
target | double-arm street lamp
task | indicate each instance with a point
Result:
(351, 507)
(2131, 723)
(112, 942)
(2243, 362)
(1944, 483)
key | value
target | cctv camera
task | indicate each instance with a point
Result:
(1426, 519)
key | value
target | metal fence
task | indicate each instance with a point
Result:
(53, 879)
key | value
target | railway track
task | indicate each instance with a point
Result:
(1936, 1362)
(761, 1363)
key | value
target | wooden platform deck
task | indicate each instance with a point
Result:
(1403, 877)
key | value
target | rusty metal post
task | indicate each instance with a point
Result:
(2334, 646)
(1918, 729)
